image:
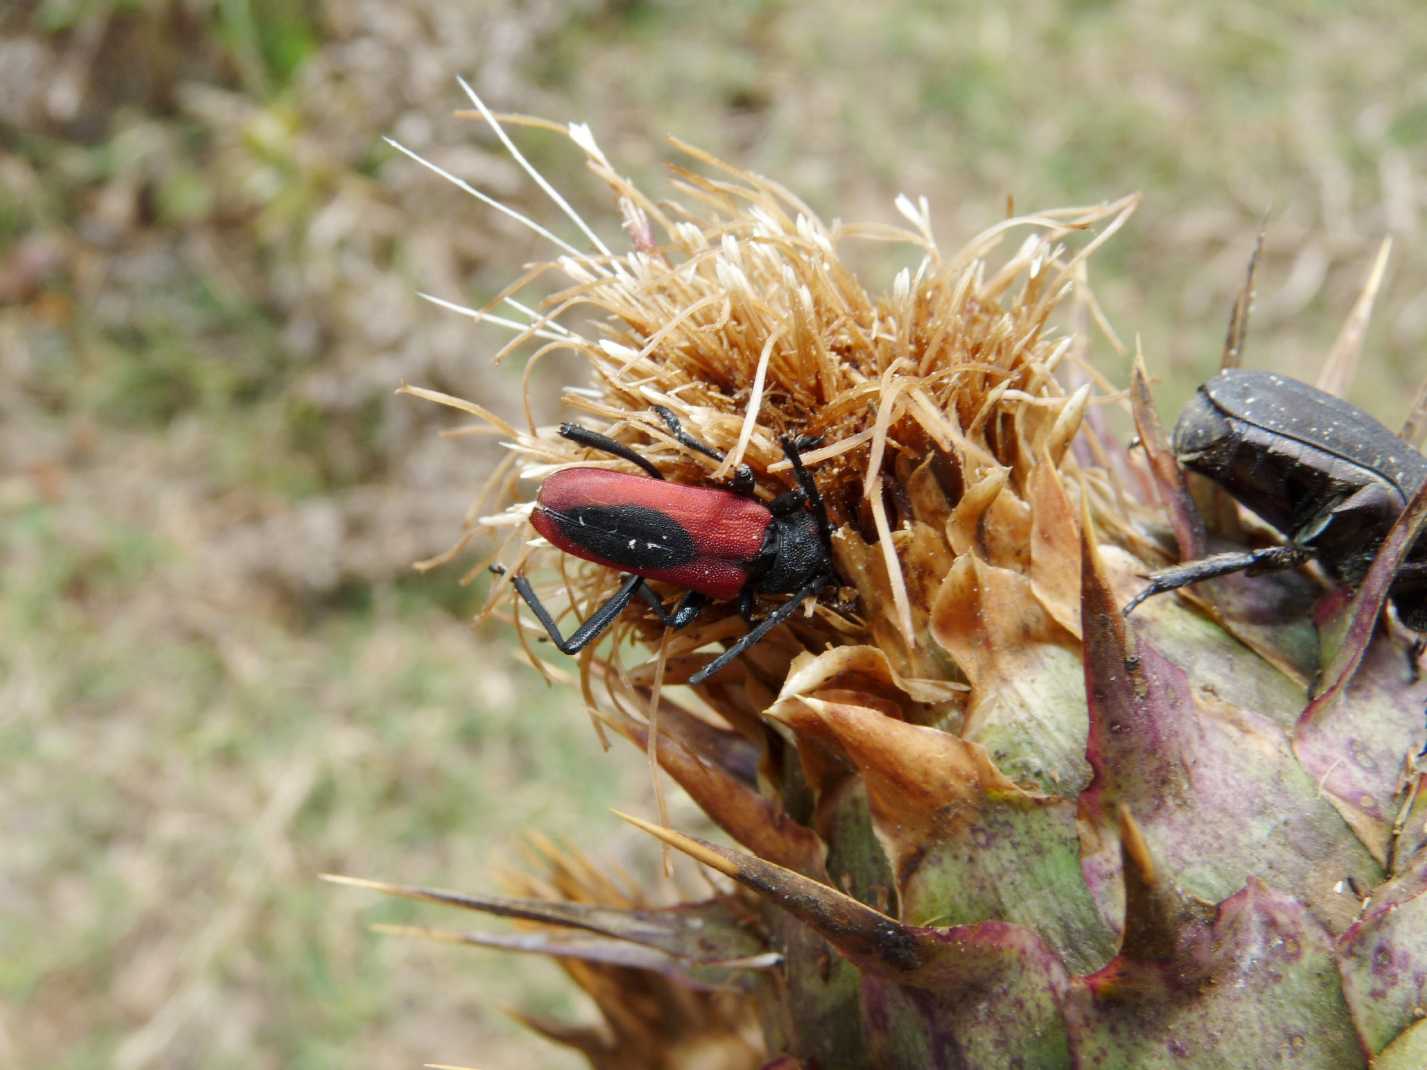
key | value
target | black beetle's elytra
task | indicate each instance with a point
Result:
(1323, 472)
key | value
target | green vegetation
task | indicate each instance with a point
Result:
(219, 677)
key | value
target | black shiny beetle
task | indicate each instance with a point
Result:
(1327, 475)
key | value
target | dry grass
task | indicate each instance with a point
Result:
(217, 677)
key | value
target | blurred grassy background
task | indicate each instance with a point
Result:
(218, 676)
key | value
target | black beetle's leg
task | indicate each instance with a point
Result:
(742, 474)
(596, 441)
(1408, 595)
(763, 627)
(1410, 574)
(685, 610)
(588, 632)
(1415, 650)
(654, 602)
(743, 482)
(1423, 752)
(793, 448)
(745, 603)
(1268, 559)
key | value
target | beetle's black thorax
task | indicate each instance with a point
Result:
(792, 554)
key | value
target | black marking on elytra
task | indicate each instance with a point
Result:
(632, 536)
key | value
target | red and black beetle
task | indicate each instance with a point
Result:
(721, 544)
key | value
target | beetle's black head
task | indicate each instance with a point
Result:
(1204, 436)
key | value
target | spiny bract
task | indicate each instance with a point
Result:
(982, 820)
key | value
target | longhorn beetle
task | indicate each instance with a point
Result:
(1323, 472)
(721, 544)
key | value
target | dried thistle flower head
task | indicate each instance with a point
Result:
(982, 820)
(735, 313)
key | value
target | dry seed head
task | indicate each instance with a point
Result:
(937, 401)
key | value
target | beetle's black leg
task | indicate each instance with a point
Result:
(1409, 579)
(1415, 650)
(654, 602)
(588, 632)
(743, 482)
(596, 441)
(745, 603)
(685, 609)
(763, 627)
(793, 448)
(1408, 595)
(1268, 559)
(742, 474)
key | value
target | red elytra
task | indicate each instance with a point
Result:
(725, 531)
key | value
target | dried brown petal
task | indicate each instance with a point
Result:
(1027, 703)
